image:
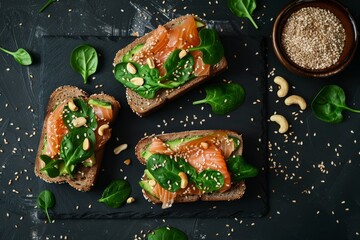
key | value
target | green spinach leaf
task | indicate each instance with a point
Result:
(150, 76)
(223, 97)
(46, 201)
(165, 171)
(210, 180)
(210, 46)
(329, 103)
(116, 194)
(240, 169)
(84, 110)
(51, 166)
(20, 55)
(243, 8)
(71, 148)
(185, 167)
(46, 5)
(166, 233)
(84, 60)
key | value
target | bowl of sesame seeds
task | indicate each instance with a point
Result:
(315, 38)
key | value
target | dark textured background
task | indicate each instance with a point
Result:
(313, 171)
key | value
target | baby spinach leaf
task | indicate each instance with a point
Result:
(84, 110)
(46, 201)
(240, 169)
(20, 55)
(47, 4)
(166, 233)
(243, 8)
(84, 60)
(71, 148)
(51, 166)
(210, 46)
(116, 194)
(150, 76)
(165, 171)
(223, 97)
(329, 103)
(185, 167)
(178, 71)
(210, 180)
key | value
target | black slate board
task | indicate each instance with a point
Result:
(247, 66)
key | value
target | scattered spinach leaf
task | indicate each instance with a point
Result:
(20, 55)
(47, 4)
(223, 97)
(84, 110)
(210, 46)
(116, 194)
(71, 148)
(240, 169)
(84, 60)
(329, 103)
(209, 180)
(46, 201)
(166, 233)
(243, 9)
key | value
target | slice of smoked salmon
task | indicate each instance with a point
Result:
(103, 113)
(166, 197)
(55, 130)
(184, 35)
(201, 69)
(158, 146)
(101, 140)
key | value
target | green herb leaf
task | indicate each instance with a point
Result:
(329, 103)
(210, 46)
(84, 60)
(150, 76)
(46, 5)
(223, 97)
(240, 169)
(71, 148)
(46, 201)
(116, 194)
(167, 233)
(84, 110)
(210, 180)
(243, 9)
(20, 55)
(165, 171)
(51, 166)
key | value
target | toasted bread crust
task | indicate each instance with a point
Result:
(143, 106)
(84, 179)
(236, 191)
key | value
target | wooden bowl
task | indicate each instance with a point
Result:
(350, 42)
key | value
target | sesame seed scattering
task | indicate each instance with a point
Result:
(313, 38)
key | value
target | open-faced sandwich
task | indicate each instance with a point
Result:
(167, 62)
(195, 165)
(75, 131)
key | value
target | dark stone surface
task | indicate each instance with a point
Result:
(313, 170)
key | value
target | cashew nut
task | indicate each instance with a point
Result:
(131, 68)
(150, 62)
(130, 200)
(102, 128)
(78, 122)
(281, 120)
(72, 106)
(182, 54)
(120, 148)
(295, 99)
(283, 86)
(184, 179)
(138, 81)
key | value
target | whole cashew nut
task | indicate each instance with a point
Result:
(283, 86)
(295, 99)
(281, 120)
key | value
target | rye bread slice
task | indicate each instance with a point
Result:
(142, 106)
(85, 177)
(236, 191)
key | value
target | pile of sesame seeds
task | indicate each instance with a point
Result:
(313, 38)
